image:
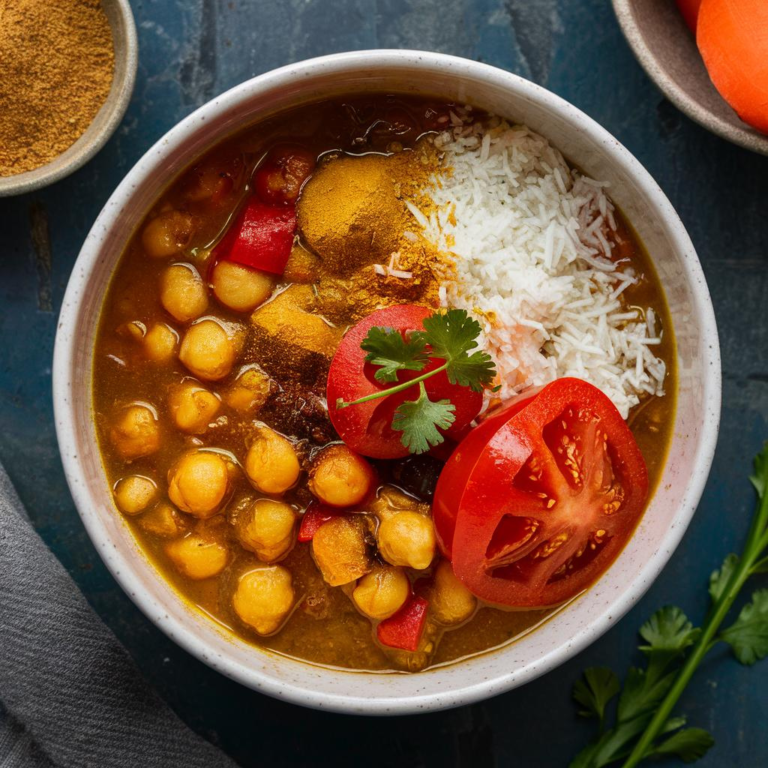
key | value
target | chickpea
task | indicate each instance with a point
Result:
(452, 602)
(241, 288)
(167, 234)
(271, 464)
(248, 392)
(162, 520)
(160, 343)
(382, 593)
(407, 539)
(264, 598)
(134, 493)
(192, 407)
(198, 483)
(266, 528)
(207, 182)
(339, 477)
(134, 330)
(390, 501)
(208, 350)
(197, 557)
(278, 180)
(135, 433)
(183, 293)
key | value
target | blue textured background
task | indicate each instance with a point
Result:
(194, 49)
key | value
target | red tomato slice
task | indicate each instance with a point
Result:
(540, 498)
(404, 629)
(367, 428)
(314, 518)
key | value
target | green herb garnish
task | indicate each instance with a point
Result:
(644, 725)
(450, 337)
(419, 421)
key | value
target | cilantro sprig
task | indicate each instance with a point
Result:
(451, 337)
(644, 725)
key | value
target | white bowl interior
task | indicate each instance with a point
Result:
(599, 155)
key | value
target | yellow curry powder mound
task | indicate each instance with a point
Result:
(353, 215)
(56, 67)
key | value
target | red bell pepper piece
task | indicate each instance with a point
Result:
(404, 629)
(261, 237)
(315, 516)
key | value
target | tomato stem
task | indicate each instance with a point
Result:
(340, 403)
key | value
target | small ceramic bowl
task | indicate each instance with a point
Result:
(591, 148)
(667, 51)
(107, 119)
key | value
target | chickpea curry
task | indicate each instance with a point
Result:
(310, 441)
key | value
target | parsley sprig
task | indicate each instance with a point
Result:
(450, 337)
(644, 725)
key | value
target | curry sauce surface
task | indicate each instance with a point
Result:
(325, 627)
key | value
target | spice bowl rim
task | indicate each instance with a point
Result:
(492, 672)
(107, 119)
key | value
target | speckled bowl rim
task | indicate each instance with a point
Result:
(104, 124)
(742, 135)
(66, 382)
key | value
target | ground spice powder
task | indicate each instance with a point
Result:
(56, 67)
(353, 215)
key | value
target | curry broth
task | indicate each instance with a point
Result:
(325, 627)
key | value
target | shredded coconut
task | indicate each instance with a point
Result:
(531, 242)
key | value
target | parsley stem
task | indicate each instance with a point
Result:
(393, 390)
(753, 549)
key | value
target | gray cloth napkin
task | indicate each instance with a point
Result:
(70, 696)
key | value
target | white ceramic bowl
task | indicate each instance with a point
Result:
(586, 144)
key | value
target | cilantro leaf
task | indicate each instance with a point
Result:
(689, 745)
(643, 690)
(452, 333)
(643, 726)
(673, 724)
(610, 746)
(718, 581)
(447, 340)
(760, 477)
(668, 632)
(472, 371)
(595, 690)
(748, 635)
(451, 336)
(387, 349)
(419, 421)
